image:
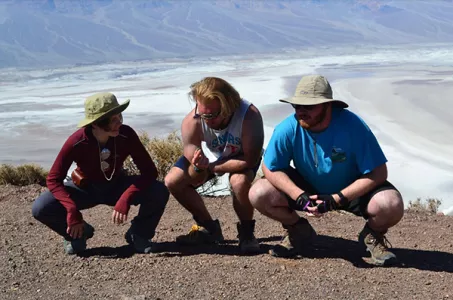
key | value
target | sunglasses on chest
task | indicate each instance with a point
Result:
(104, 154)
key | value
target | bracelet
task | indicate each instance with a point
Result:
(196, 169)
(343, 200)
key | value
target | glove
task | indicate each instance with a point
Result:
(301, 203)
(328, 203)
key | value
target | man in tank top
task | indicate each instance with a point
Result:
(222, 134)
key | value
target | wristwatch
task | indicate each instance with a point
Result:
(343, 200)
(198, 170)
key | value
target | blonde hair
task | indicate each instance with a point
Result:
(211, 88)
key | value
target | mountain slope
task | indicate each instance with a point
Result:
(54, 32)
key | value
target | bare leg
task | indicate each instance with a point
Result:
(271, 202)
(386, 208)
(240, 185)
(179, 185)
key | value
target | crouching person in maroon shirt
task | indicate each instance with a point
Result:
(99, 149)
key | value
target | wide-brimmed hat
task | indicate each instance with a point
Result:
(99, 105)
(312, 90)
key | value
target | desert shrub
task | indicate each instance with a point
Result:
(165, 152)
(430, 205)
(22, 175)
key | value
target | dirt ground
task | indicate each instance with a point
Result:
(34, 266)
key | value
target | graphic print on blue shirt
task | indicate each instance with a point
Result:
(338, 155)
(329, 160)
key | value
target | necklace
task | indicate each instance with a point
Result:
(114, 160)
(313, 136)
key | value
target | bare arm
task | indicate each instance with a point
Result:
(356, 189)
(191, 137)
(252, 145)
(282, 182)
(366, 183)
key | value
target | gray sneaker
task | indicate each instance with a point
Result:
(297, 236)
(76, 246)
(140, 244)
(376, 243)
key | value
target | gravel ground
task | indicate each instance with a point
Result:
(34, 266)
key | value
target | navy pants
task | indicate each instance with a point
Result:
(152, 201)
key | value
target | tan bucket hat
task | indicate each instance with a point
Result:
(99, 105)
(311, 90)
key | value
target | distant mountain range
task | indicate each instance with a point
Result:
(55, 32)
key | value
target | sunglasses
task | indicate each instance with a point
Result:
(104, 155)
(304, 107)
(206, 116)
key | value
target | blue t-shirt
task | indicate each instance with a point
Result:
(329, 160)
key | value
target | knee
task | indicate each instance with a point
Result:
(239, 183)
(397, 204)
(35, 210)
(389, 203)
(39, 205)
(259, 193)
(160, 190)
(172, 181)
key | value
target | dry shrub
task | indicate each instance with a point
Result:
(430, 205)
(165, 152)
(22, 175)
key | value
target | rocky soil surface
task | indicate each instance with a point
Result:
(34, 266)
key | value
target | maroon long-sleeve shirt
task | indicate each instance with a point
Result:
(82, 148)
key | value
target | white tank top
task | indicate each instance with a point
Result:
(226, 142)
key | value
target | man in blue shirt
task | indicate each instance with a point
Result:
(338, 164)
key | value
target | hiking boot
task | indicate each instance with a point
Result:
(297, 236)
(376, 243)
(76, 246)
(247, 241)
(199, 235)
(140, 244)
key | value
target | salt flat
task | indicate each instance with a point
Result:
(402, 94)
